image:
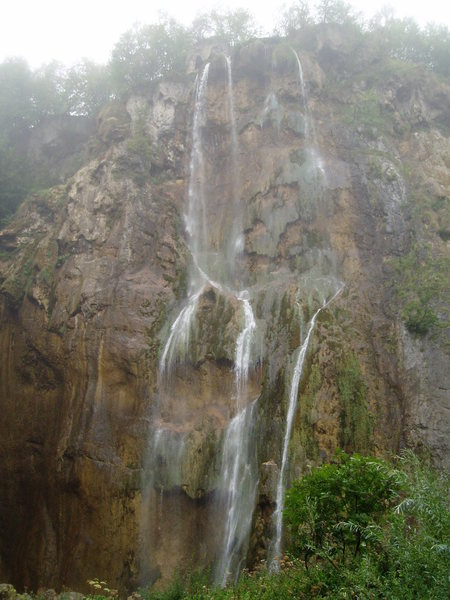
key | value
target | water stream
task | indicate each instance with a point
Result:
(214, 251)
(238, 475)
(292, 405)
(214, 226)
(319, 170)
(310, 129)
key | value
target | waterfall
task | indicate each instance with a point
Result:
(238, 487)
(292, 405)
(215, 239)
(177, 344)
(166, 446)
(309, 126)
(163, 466)
(238, 474)
(238, 477)
(271, 112)
(310, 130)
(243, 347)
(195, 219)
(235, 244)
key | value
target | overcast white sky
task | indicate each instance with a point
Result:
(42, 30)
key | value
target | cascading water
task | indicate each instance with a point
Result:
(238, 486)
(236, 242)
(315, 283)
(214, 226)
(177, 344)
(214, 251)
(243, 347)
(238, 478)
(196, 216)
(310, 130)
(166, 446)
(292, 404)
(271, 112)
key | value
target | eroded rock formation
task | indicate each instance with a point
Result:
(94, 272)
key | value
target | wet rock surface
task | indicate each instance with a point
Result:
(94, 271)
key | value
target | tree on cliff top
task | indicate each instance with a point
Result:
(146, 53)
(232, 26)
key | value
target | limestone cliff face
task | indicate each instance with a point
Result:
(93, 273)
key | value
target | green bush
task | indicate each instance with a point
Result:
(370, 529)
(335, 512)
(422, 284)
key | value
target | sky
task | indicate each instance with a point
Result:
(42, 30)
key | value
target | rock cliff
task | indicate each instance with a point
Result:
(342, 184)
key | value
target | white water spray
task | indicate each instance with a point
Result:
(310, 130)
(292, 405)
(177, 344)
(213, 265)
(196, 222)
(238, 478)
(238, 485)
(235, 244)
(243, 347)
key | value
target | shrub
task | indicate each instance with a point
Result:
(335, 512)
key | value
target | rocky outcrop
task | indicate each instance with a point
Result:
(93, 273)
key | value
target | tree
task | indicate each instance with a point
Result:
(48, 93)
(232, 26)
(294, 18)
(87, 88)
(146, 53)
(336, 11)
(17, 110)
(334, 512)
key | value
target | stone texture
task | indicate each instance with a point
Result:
(93, 271)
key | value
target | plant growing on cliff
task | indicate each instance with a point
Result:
(355, 420)
(422, 285)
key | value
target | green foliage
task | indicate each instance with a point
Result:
(377, 531)
(335, 511)
(366, 114)
(16, 95)
(87, 87)
(355, 421)
(233, 26)
(419, 534)
(400, 39)
(15, 180)
(146, 53)
(335, 11)
(294, 18)
(27, 98)
(422, 284)
(403, 39)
